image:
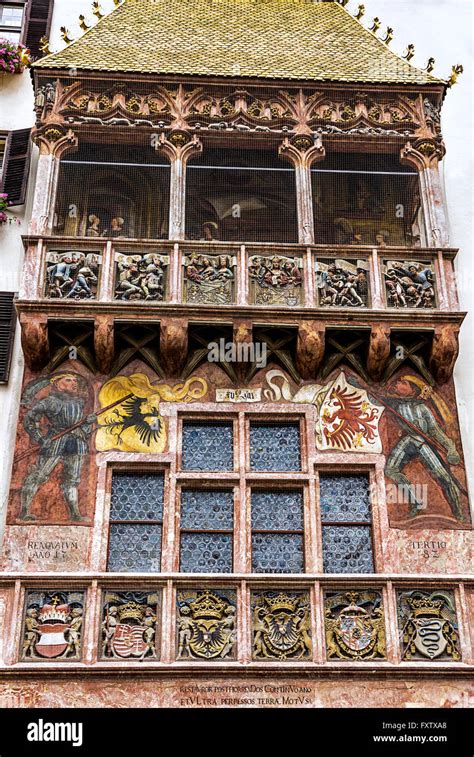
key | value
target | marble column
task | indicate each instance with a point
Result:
(302, 151)
(178, 146)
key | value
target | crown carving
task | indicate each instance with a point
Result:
(425, 606)
(131, 611)
(54, 613)
(282, 602)
(208, 605)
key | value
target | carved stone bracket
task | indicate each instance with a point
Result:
(173, 345)
(55, 140)
(423, 153)
(444, 352)
(178, 145)
(378, 352)
(34, 340)
(302, 150)
(104, 342)
(243, 335)
(310, 346)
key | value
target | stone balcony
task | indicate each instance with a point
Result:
(173, 287)
(148, 276)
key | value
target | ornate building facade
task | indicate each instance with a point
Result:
(238, 475)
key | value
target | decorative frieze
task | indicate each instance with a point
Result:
(209, 107)
(72, 275)
(209, 279)
(129, 625)
(206, 624)
(428, 625)
(52, 625)
(281, 625)
(409, 284)
(141, 277)
(276, 280)
(343, 283)
(354, 625)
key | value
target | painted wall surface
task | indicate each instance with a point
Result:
(439, 28)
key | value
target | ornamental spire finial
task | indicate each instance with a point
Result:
(96, 10)
(375, 25)
(65, 35)
(430, 65)
(360, 12)
(410, 51)
(455, 72)
(44, 46)
(82, 23)
(388, 35)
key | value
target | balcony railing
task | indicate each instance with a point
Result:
(290, 277)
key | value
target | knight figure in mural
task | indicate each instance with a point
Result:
(58, 412)
(423, 439)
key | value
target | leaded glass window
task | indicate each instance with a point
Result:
(136, 522)
(346, 523)
(275, 447)
(207, 446)
(277, 531)
(207, 521)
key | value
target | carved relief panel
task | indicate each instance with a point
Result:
(354, 625)
(409, 284)
(72, 275)
(141, 277)
(281, 625)
(343, 283)
(52, 625)
(206, 624)
(276, 280)
(129, 625)
(209, 279)
(428, 625)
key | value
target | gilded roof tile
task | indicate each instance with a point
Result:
(267, 39)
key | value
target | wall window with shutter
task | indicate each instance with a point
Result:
(36, 24)
(7, 333)
(15, 153)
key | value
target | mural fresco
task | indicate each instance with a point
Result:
(421, 415)
(52, 461)
(346, 417)
(135, 424)
(412, 424)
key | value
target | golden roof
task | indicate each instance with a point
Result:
(266, 39)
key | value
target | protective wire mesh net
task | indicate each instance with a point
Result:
(369, 199)
(241, 195)
(113, 191)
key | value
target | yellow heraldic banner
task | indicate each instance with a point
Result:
(136, 424)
